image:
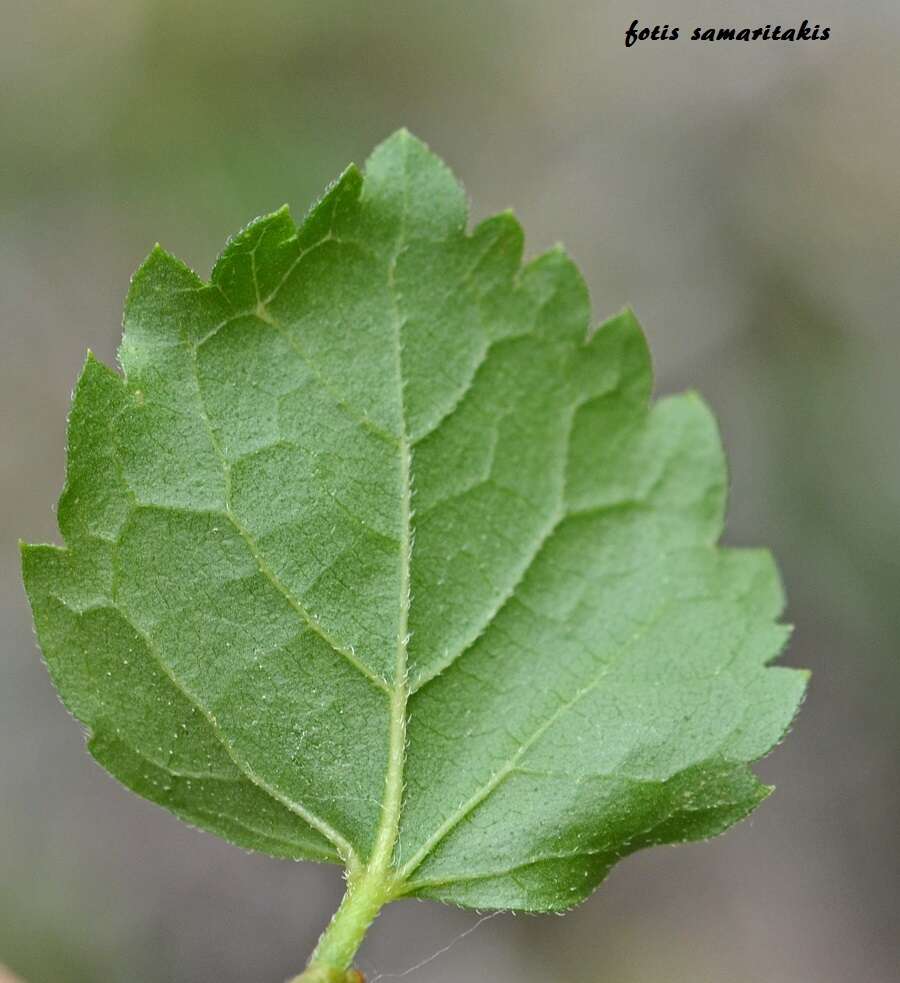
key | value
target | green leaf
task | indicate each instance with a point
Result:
(378, 553)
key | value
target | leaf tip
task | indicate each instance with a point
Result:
(163, 265)
(628, 317)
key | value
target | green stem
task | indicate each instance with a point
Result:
(331, 960)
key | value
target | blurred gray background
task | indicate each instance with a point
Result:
(743, 197)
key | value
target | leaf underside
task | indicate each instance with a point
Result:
(377, 469)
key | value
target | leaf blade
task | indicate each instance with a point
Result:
(397, 532)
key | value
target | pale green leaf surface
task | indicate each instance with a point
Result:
(380, 474)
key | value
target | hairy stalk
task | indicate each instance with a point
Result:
(340, 941)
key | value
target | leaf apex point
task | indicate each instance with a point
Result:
(694, 396)
(403, 135)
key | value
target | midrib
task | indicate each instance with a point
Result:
(380, 862)
(391, 805)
